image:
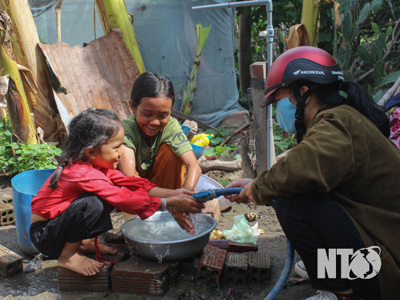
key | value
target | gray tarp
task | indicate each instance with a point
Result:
(167, 33)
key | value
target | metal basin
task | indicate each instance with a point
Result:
(160, 238)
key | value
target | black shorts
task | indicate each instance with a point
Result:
(86, 217)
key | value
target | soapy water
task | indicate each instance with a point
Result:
(164, 228)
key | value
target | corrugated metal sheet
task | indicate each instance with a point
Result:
(100, 75)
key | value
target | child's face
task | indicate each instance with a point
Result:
(109, 153)
(152, 114)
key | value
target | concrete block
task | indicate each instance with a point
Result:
(235, 271)
(259, 267)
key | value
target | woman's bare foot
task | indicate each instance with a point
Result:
(88, 246)
(78, 263)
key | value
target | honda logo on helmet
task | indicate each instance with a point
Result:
(308, 72)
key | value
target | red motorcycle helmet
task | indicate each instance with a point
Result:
(301, 63)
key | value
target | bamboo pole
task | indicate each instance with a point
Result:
(113, 14)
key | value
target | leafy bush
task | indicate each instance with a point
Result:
(16, 157)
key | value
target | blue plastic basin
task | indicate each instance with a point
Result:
(24, 187)
(198, 150)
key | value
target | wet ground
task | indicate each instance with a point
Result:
(42, 281)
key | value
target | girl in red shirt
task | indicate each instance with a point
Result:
(73, 205)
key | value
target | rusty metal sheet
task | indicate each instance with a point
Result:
(100, 75)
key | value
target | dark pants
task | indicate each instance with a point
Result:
(86, 217)
(313, 222)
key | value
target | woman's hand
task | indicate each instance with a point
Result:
(181, 191)
(183, 219)
(185, 203)
(245, 195)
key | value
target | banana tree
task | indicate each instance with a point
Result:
(113, 14)
(202, 34)
(17, 103)
(32, 68)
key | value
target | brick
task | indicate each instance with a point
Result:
(7, 216)
(138, 275)
(212, 208)
(10, 262)
(71, 281)
(235, 271)
(210, 265)
(259, 267)
(6, 196)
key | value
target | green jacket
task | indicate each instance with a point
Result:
(344, 154)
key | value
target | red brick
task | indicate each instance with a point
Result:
(138, 275)
(211, 264)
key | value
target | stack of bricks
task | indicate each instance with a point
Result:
(7, 216)
(246, 268)
(71, 281)
(142, 276)
(210, 265)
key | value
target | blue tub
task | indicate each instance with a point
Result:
(198, 150)
(24, 186)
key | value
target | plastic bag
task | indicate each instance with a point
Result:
(241, 231)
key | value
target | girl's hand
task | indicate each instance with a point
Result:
(185, 202)
(245, 196)
(183, 219)
(181, 191)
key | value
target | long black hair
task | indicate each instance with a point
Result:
(90, 129)
(151, 85)
(354, 95)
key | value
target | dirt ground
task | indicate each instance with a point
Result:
(42, 283)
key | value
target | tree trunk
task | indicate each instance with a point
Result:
(310, 18)
(245, 49)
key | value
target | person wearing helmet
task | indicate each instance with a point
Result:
(339, 187)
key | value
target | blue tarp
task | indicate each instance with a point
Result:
(166, 31)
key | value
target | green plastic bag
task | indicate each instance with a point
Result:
(241, 231)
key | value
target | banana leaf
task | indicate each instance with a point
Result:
(113, 14)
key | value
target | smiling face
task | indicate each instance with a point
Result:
(108, 154)
(152, 115)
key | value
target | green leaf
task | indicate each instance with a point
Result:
(392, 55)
(378, 72)
(375, 27)
(365, 55)
(392, 77)
(389, 31)
(381, 46)
(376, 4)
(364, 13)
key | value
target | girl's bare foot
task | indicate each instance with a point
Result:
(80, 264)
(87, 246)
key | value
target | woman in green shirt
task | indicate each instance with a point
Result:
(155, 146)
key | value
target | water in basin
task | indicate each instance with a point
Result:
(163, 229)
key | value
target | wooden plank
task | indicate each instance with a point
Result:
(258, 73)
(10, 262)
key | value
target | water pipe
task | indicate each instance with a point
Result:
(270, 134)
